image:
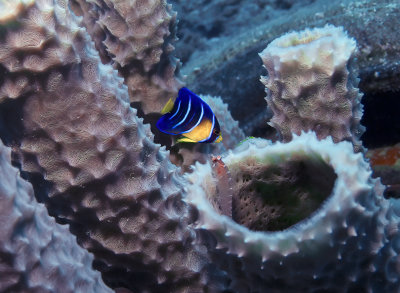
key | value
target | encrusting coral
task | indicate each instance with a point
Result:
(94, 164)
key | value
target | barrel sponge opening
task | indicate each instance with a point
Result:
(325, 47)
(310, 35)
(344, 234)
(273, 195)
(295, 39)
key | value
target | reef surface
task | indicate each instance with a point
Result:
(303, 213)
(222, 39)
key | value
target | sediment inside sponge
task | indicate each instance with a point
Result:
(274, 196)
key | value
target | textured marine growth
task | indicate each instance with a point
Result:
(94, 164)
(91, 159)
(335, 247)
(36, 254)
(312, 86)
(136, 36)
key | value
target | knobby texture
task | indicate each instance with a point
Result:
(137, 37)
(94, 164)
(345, 245)
(312, 85)
(227, 64)
(69, 120)
(36, 254)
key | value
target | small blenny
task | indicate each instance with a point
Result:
(223, 202)
(190, 117)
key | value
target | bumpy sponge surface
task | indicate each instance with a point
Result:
(312, 85)
(36, 254)
(91, 159)
(343, 246)
(137, 35)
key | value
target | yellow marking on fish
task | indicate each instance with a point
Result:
(185, 139)
(202, 131)
(219, 139)
(168, 107)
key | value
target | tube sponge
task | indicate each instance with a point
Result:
(138, 37)
(311, 84)
(36, 254)
(93, 160)
(93, 163)
(340, 246)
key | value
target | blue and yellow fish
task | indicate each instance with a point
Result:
(190, 117)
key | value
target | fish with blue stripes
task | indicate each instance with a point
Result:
(191, 118)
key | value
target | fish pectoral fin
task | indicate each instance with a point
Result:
(168, 107)
(185, 139)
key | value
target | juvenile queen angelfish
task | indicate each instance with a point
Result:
(190, 117)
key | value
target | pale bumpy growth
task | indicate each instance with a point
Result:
(36, 254)
(136, 36)
(93, 160)
(230, 130)
(312, 86)
(95, 166)
(344, 246)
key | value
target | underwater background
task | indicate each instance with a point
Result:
(301, 195)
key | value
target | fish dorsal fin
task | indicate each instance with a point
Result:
(185, 139)
(168, 107)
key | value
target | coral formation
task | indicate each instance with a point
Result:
(385, 156)
(311, 87)
(94, 164)
(36, 254)
(386, 165)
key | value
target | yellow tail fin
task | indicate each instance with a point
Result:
(168, 107)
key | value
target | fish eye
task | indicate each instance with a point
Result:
(216, 131)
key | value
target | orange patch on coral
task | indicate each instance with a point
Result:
(384, 156)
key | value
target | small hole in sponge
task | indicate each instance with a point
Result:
(277, 196)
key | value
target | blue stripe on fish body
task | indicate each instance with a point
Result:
(215, 132)
(174, 122)
(184, 119)
(176, 111)
(188, 112)
(197, 118)
(184, 115)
